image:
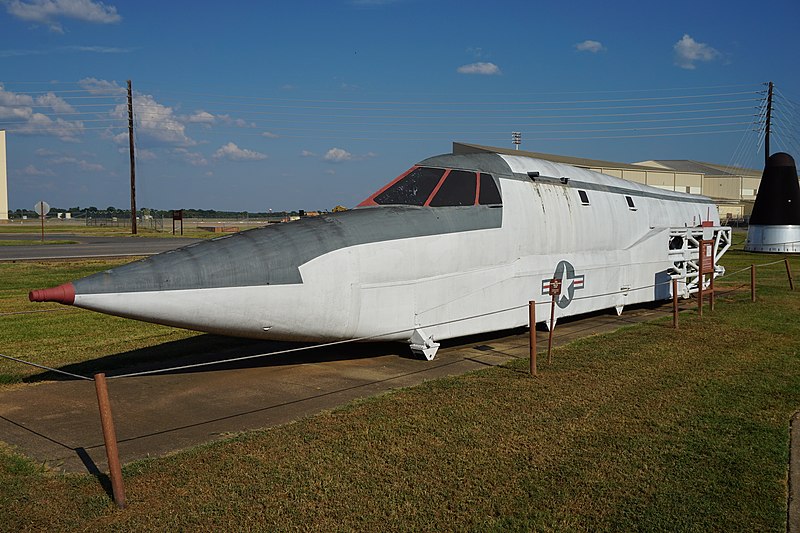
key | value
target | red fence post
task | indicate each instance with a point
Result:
(552, 327)
(752, 283)
(110, 439)
(700, 279)
(532, 342)
(713, 275)
(675, 303)
(789, 273)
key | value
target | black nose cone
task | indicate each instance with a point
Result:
(778, 200)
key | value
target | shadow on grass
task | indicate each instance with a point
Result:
(91, 468)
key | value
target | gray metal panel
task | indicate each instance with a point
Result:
(587, 186)
(273, 254)
(483, 162)
(464, 148)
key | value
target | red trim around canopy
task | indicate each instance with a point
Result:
(371, 200)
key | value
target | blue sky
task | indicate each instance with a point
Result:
(306, 105)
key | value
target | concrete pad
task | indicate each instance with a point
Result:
(57, 422)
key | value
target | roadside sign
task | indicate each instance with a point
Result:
(41, 208)
(707, 250)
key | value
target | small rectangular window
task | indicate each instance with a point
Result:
(458, 189)
(631, 205)
(489, 194)
(584, 197)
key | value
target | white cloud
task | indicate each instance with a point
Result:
(234, 153)
(48, 12)
(481, 67)
(307, 153)
(590, 46)
(96, 49)
(207, 119)
(18, 52)
(337, 155)
(688, 52)
(31, 170)
(141, 153)
(240, 122)
(270, 135)
(193, 158)
(104, 87)
(145, 155)
(56, 103)
(153, 121)
(330, 171)
(18, 109)
(80, 163)
(200, 117)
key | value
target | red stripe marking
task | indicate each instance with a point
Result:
(436, 189)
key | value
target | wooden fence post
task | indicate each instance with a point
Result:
(675, 303)
(110, 439)
(532, 342)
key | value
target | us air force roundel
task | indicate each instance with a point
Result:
(569, 283)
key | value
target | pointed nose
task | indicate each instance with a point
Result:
(64, 294)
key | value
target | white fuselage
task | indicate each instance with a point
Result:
(455, 284)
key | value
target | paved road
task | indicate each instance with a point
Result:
(57, 422)
(87, 246)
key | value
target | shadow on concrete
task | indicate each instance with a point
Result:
(87, 461)
(208, 348)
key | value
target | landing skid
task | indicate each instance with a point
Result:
(422, 345)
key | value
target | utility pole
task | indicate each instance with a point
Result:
(769, 121)
(133, 159)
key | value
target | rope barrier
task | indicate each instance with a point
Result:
(45, 367)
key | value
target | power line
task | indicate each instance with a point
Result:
(471, 110)
(468, 103)
(515, 121)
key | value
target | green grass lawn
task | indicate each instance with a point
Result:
(645, 429)
(62, 335)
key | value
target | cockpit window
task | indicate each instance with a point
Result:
(458, 189)
(489, 195)
(414, 189)
(438, 187)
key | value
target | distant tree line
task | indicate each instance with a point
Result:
(111, 211)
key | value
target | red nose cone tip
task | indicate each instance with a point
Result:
(64, 294)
